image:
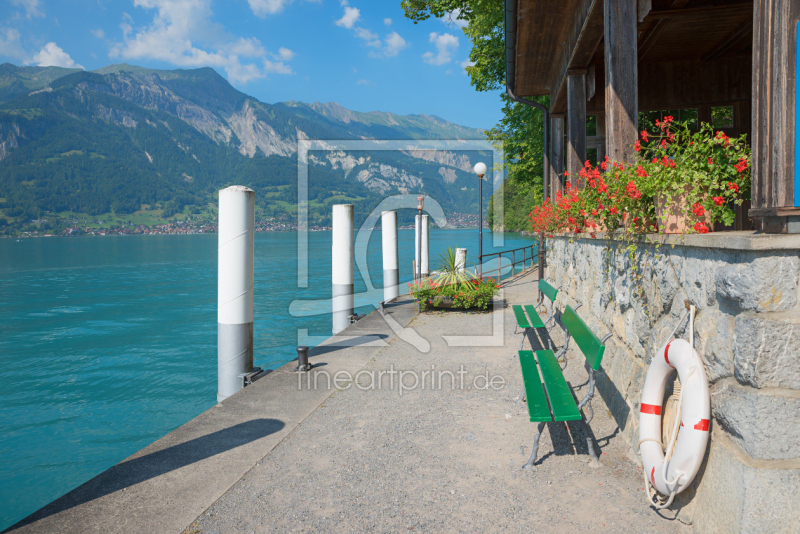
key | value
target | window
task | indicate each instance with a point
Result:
(722, 117)
(591, 125)
(647, 119)
(591, 155)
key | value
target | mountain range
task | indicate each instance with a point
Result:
(125, 138)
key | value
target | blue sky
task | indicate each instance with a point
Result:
(362, 54)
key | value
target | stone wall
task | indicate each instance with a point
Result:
(747, 331)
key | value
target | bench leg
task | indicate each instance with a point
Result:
(532, 459)
(522, 341)
(594, 462)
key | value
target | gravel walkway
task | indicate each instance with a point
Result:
(441, 459)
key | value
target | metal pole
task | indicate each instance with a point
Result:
(424, 256)
(480, 226)
(342, 266)
(234, 288)
(541, 259)
(418, 220)
(391, 276)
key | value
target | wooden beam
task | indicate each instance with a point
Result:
(556, 154)
(650, 38)
(679, 3)
(621, 78)
(742, 29)
(576, 124)
(743, 8)
(585, 34)
(774, 76)
(644, 9)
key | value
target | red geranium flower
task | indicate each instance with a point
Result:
(718, 200)
(701, 228)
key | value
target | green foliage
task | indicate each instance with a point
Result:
(450, 273)
(519, 135)
(473, 294)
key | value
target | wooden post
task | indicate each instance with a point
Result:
(774, 199)
(576, 123)
(556, 154)
(620, 25)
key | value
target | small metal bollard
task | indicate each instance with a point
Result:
(381, 309)
(302, 359)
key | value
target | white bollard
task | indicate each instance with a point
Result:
(235, 288)
(425, 257)
(424, 249)
(461, 259)
(342, 266)
(391, 273)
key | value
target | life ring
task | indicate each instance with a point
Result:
(677, 473)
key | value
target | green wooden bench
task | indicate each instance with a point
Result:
(533, 320)
(555, 402)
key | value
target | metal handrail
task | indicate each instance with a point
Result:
(514, 263)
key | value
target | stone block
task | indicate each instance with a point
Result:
(733, 497)
(763, 284)
(766, 427)
(713, 340)
(766, 352)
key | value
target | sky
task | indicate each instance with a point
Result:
(362, 54)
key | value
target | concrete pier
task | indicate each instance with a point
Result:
(349, 456)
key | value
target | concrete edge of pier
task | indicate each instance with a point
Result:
(167, 485)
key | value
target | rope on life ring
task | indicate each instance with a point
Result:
(684, 453)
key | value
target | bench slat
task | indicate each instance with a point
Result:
(537, 403)
(548, 290)
(522, 321)
(586, 339)
(536, 321)
(561, 399)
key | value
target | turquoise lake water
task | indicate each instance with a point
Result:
(109, 343)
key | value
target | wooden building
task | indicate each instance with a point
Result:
(727, 62)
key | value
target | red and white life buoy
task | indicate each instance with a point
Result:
(680, 469)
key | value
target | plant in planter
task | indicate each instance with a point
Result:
(453, 288)
(694, 177)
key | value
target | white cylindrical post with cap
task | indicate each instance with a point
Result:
(342, 266)
(461, 259)
(235, 288)
(425, 267)
(391, 266)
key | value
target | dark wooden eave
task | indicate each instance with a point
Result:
(557, 36)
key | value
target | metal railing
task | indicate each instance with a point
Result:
(521, 253)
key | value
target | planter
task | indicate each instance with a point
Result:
(670, 217)
(441, 302)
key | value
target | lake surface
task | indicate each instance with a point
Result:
(109, 343)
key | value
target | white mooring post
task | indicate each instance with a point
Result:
(391, 273)
(342, 266)
(424, 249)
(425, 257)
(461, 259)
(235, 288)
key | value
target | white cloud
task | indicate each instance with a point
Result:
(387, 21)
(99, 33)
(285, 54)
(52, 55)
(277, 67)
(31, 7)
(183, 33)
(364, 82)
(467, 63)
(10, 46)
(263, 7)
(446, 45)
(451, 19)
(350, 17)
(394, 44)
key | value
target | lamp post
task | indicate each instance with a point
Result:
(480, 170)
(420, 204)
